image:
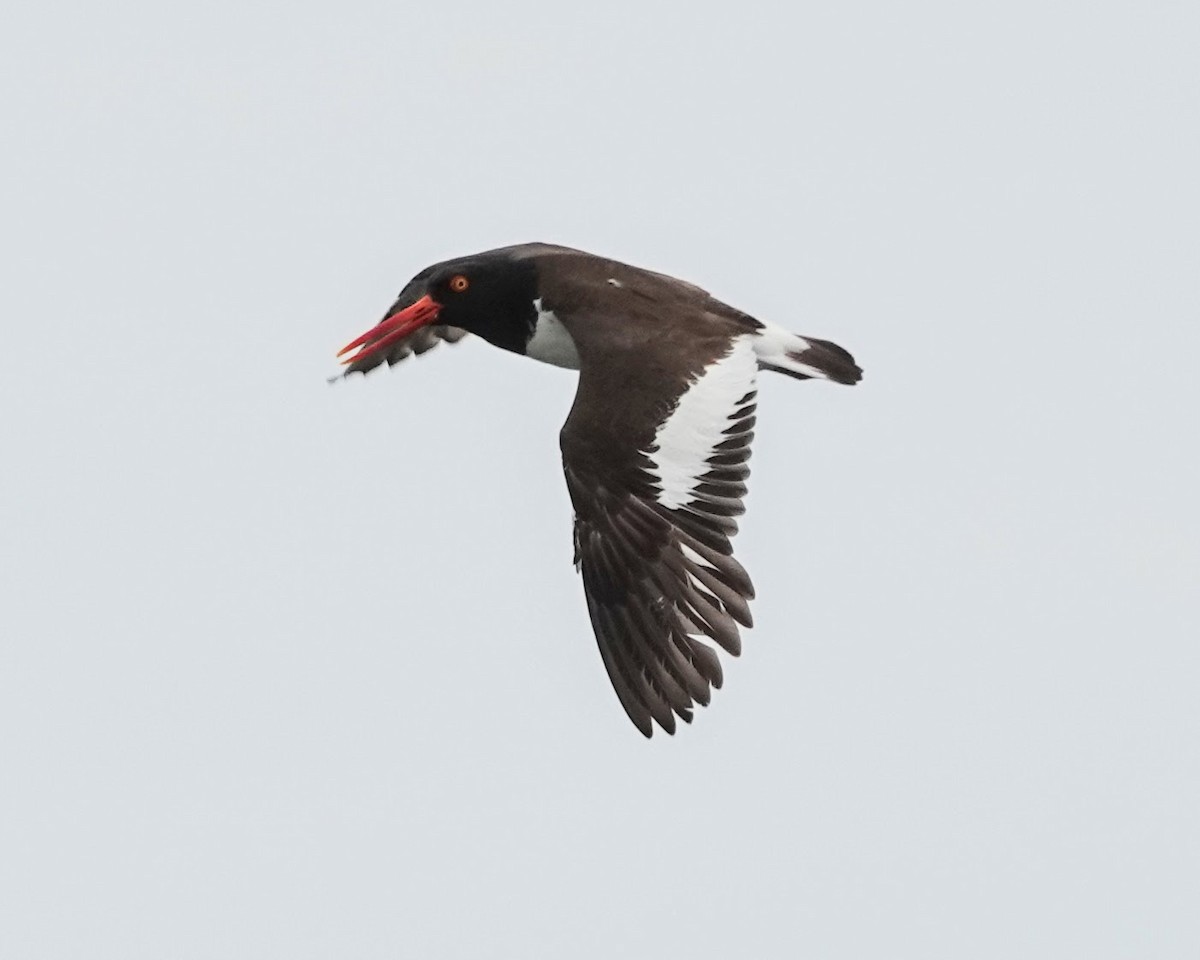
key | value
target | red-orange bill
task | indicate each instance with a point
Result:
(396, 327)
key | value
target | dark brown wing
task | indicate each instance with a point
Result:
(419, 342)
(656, 470)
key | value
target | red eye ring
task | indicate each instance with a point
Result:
(459, 283)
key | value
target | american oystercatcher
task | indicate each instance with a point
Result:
(655, 448)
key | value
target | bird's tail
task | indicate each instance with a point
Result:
(804, 357)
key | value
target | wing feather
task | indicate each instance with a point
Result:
(654, 518)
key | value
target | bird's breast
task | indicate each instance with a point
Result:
(551, 342)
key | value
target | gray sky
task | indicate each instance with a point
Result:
(290, 670)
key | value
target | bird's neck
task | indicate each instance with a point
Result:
(509, 326)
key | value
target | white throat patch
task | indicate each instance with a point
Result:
(551, 343)
(684, 441)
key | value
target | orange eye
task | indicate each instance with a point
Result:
(459, 283)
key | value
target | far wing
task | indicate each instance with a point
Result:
(420, 341)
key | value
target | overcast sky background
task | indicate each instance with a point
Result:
(292, 670)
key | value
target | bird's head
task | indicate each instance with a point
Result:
(491, 295)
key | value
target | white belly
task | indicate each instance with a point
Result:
(551, 343)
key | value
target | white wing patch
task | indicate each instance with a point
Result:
(686, 440)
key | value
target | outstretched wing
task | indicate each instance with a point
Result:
(418, 342)
(656, 463)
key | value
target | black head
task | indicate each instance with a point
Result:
(489, 294)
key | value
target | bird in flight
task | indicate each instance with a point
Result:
(655, 448)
